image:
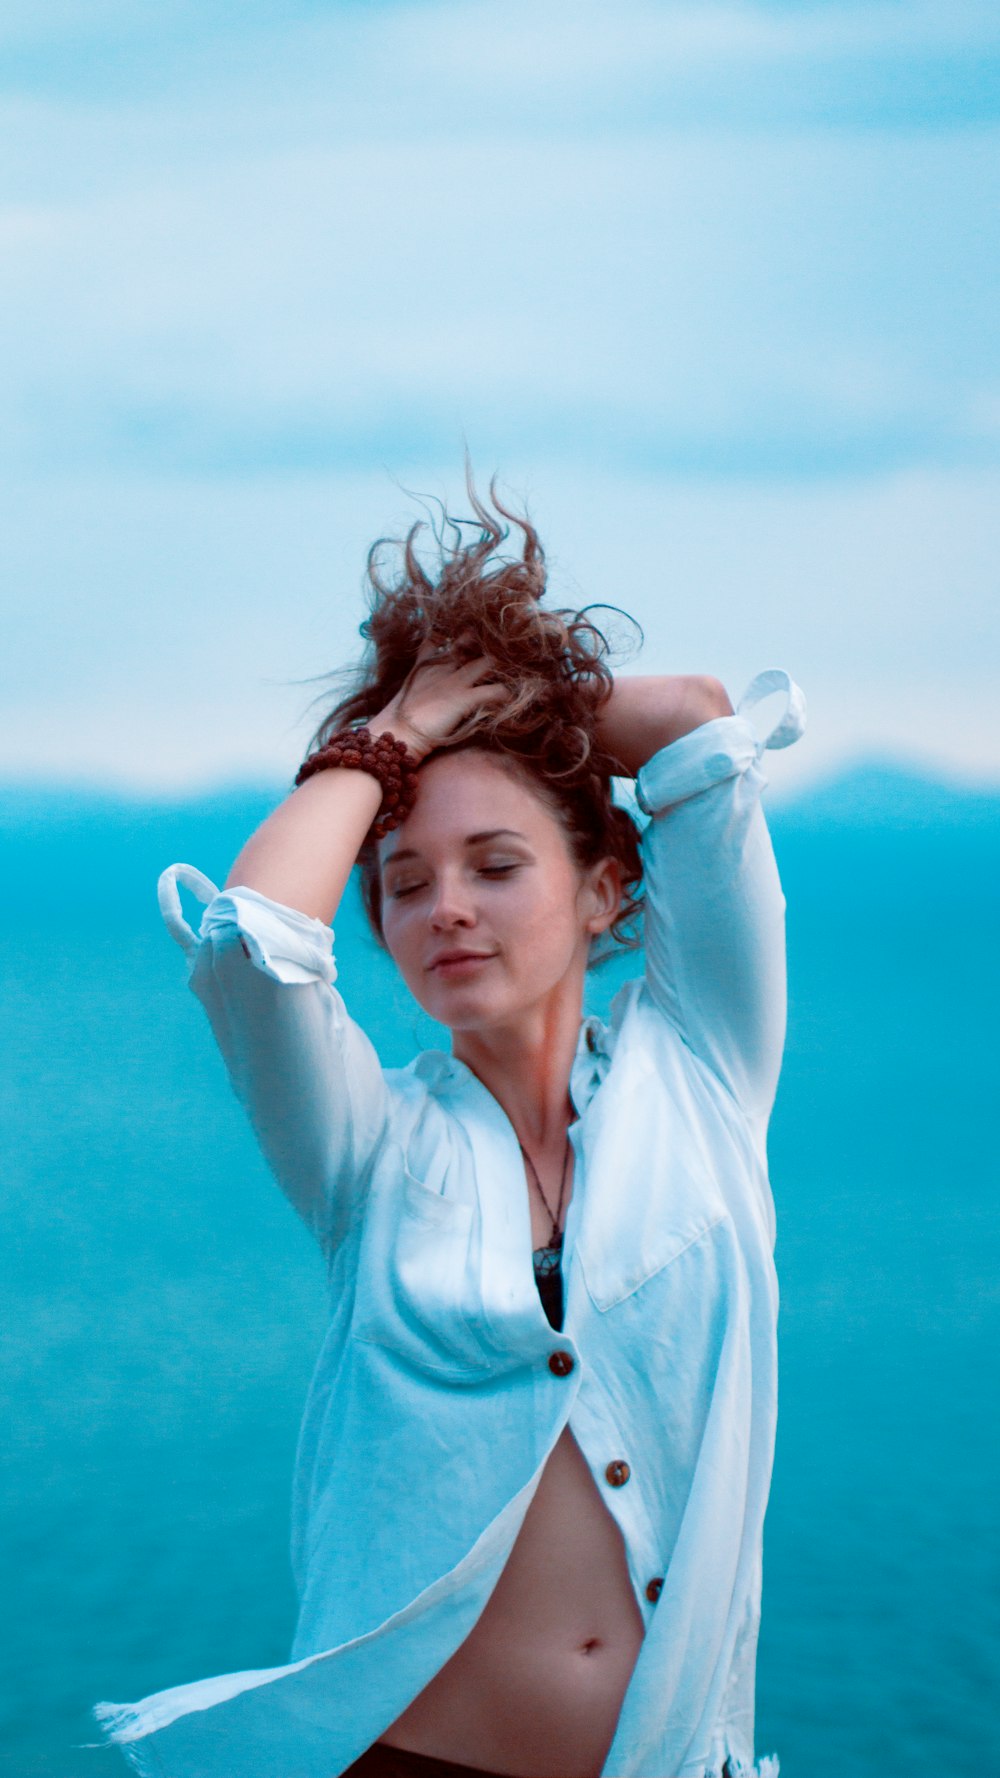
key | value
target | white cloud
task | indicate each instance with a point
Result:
(519, 45)
(982, 413)
(672, 297)
(115, 91)
(154, 629)
(615, 250)
(574, 43)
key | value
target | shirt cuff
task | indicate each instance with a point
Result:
(721, 748)
(280, 941)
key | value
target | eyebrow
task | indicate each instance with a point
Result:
(472, 839)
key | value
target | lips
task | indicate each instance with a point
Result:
(453, 959)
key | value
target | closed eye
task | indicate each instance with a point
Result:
(485, 870)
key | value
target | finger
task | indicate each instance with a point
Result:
(444, 668)
(430, 656)
(480, 697)
(472, 671)
(427, 647)
(439, 654)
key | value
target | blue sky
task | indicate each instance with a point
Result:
(713, 286)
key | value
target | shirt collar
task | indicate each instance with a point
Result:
(446, 1075)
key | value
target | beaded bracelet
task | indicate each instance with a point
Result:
(384, 757)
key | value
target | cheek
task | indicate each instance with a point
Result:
(400, 935)
(541, 933)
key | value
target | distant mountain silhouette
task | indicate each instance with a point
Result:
(36, 805)
(889, 795)
(871, 792)
(66, 850)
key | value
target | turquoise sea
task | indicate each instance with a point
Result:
(164, 1306)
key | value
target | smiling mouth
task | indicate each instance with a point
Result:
(463, 961)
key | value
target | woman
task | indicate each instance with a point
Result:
(534, 1464)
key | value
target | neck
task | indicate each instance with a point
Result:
(526, 1065)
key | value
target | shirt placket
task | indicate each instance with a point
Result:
(617, 1464)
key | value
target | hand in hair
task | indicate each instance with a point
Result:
(303, 854)
(461, 650)
(438, 699)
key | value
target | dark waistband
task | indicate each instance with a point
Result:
(382, 1761)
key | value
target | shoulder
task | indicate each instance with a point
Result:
(632, 1040)
(421, 1094)
(642, 1044)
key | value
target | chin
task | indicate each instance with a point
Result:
(463, 1015)
(458, 1005)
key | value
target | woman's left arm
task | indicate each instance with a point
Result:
(647, 713)
(715, 910)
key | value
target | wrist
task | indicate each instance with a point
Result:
(388, 724)
(383, 756)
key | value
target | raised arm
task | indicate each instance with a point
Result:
(262, 966)
(714, 923)
(647, 713)
(303, 854)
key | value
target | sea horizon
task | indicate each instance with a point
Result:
(166, 1306)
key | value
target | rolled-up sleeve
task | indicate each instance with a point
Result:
(307, 1076)
(715, 909)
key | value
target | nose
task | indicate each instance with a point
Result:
(451, 905)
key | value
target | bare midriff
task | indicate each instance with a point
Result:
(542, 1675)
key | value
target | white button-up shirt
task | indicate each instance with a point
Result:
(441, 1387)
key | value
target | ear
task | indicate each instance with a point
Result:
(603, 896)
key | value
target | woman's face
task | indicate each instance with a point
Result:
(484, 909)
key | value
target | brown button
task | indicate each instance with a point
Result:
(618, 1473)
(560, 1363)
(654, 1588)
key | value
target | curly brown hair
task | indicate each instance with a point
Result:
(476, 601)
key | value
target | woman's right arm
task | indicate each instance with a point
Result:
(303, 854)
(305, 1073)
(262, 966)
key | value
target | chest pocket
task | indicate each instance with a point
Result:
(613, 1276)
(417, 1289)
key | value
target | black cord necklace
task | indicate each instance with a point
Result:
(556, 1237)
